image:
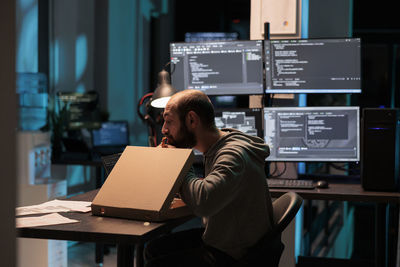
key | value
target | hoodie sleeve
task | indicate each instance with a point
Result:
(206, 196)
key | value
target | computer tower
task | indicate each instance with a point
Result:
(380, 148)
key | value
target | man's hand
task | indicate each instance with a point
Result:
(164, 143)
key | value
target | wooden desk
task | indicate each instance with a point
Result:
(344, 192)
(355, 193)
(124, 233)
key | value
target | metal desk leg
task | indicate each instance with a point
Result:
(381, 228)
(125, 255)
(99, 251)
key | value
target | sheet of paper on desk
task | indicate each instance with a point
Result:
(48, 219)
(55, 206)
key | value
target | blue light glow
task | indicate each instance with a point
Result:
(394, 76)
(24, 4)
(81, 56)
(164, 7)
(80, 88)
(298, 232)
(378, 128)
(304, 18)
(148, 9)
(351, 11)
(56, 53)
(27, 36)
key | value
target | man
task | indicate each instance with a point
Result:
(232, 199)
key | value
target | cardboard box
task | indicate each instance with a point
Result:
(143, 185)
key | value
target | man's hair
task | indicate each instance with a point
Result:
(197, 101)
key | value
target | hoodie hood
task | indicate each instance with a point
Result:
(253, 144)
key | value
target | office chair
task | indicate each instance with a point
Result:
(268, 251)
(285, 209)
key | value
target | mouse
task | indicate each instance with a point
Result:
(322, 184)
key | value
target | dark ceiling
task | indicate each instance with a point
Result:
(372, 19)
(212, 16)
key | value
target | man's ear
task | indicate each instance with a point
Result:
(192, 120)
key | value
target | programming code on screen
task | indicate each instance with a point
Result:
(218, 67)
(312, 133)
(313, 66)
(248, 121)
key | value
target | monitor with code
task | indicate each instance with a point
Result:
(323, 134)
(313, 65)
(248, 121)
(218, 67)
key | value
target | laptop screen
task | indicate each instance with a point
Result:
(111, 133)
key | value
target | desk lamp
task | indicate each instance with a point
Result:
(163, 92)
(155, 105)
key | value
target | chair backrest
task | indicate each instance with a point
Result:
(268, 251)
(285, 209)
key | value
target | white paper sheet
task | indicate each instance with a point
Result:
(55, 206)
(48, 219)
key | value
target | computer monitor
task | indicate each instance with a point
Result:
(112, 137)
(313, 65)
(323, 134)
(210, 36)
(81, 110)
(248, 121)
(218, 67)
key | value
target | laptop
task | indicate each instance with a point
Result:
(109, 162)
(111, 138)
(143, 185)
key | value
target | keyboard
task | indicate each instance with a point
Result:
(109, 162)
(290, 183)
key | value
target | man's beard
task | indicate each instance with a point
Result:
(185, 138)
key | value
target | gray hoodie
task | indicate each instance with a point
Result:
(232, 199)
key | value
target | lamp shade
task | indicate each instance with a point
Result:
(163, 92)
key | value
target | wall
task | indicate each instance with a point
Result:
(8, 122)
(103, 46)
(128, 54)
(72, 27)
(163, 29)
(71, 35)
(27, 33)
(330, 18)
